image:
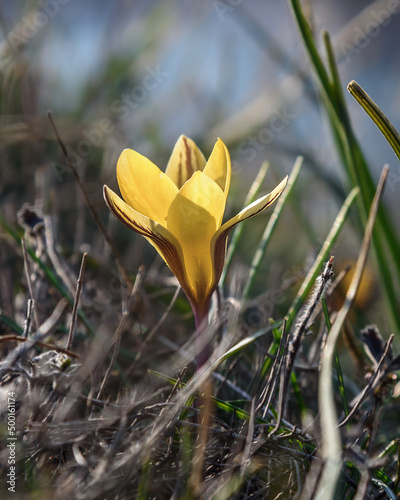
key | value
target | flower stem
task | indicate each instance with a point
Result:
(202, 343)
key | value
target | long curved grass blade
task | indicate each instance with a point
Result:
(321, 257)
(308, 39)
(376, 115)
(331, 441)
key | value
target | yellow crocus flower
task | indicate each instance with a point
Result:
(180, 212)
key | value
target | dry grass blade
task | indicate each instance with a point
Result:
(283, 385)
(266, 395)
(121, 327)
(303, 322)
(89, 204)
(331, 442)
(371, 383)
(40, 343)
(29, 282)
(79, 284)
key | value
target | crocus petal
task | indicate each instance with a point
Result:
(218, 166)
(193, 218)
(219, 240)
(186, 158)
(164, 242)
(144, 187)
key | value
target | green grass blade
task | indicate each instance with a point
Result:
(11, 324)
(376, 115)
(339, 373)
(237, 232)
(308, 39)
(322, 256)
(247, 341)
(262, 247)
(145, 476)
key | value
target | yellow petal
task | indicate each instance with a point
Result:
(194, 217)
(186, 158)
(144, 187)
(219, 240)
(218, 166)
(255, 207)
(163, 241)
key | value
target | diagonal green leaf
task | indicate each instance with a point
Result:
(322, 256)
(262, 247)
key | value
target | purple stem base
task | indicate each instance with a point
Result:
(202, 345)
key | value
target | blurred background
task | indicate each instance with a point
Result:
(140, 73)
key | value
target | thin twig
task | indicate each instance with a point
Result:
(29, 282)
(370, 384)
(282, 389)
(121, 327)
(40, 343)
(174, 390)
(89, 204)
(268, 391)
(79, 284)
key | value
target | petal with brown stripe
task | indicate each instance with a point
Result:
(186, 158)
(161, 238)
(219, 240)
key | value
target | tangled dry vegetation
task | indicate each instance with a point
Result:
(108, 404)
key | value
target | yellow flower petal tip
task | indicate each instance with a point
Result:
(180, 212)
